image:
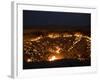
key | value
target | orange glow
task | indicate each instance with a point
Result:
(58, 50)
(36, 39)
(52, 58)
(55, 57)
(29, 60)
(78, 34)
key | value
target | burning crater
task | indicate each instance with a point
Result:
(56, 46)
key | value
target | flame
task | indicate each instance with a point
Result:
(53, 35)
(29, 60)
(77, 39)
(36, 39)
(58, 50)
(52, 58)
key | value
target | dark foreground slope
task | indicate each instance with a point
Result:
(57, 63)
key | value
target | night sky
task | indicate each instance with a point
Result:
(43, 19)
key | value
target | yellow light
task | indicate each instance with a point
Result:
(52, 58)
(36, 39)
(29, 60)
(54, 35)
(58, 50)
(78, 34)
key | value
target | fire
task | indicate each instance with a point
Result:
(54, 35)
(77, 39)
(78, 34)
(29, 60)
(58, 50)
(52, 58)
(36, 39)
